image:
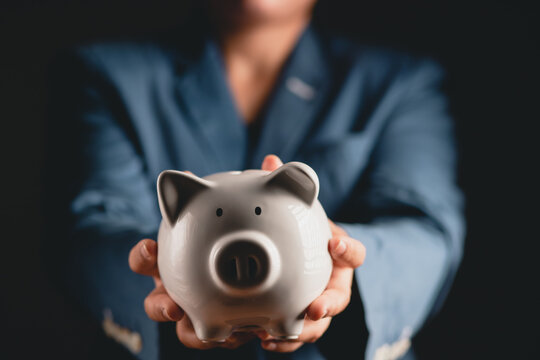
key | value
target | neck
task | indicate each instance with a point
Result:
(254, 54)
(263, 48)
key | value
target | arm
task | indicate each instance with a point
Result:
(414, 237)
(100, 200)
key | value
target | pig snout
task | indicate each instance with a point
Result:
(244, 261)
(242, 264)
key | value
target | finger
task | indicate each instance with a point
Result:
(281, 346)
(312, 331)
(143, 258)
(262, 334)
(335, 297)
(330, 303)
(160, 307)
(271, 163)
(237, 339)
(347, 251)
(186, 334)
(336, 230)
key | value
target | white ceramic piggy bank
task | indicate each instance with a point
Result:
(243, 250)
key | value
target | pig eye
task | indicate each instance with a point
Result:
(258, 211)
(219, 212)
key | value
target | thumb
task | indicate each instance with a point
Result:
(271, 163)
(347, 251)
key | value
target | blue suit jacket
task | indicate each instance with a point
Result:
(373, 124)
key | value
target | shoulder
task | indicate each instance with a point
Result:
(120, 55)
(377, 65)
(126, 61)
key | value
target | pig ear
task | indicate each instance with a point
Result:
(296, 178)
(175, 190)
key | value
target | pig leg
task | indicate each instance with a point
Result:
(286, 329)
(212, 332)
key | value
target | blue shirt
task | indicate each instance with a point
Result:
(373, 124)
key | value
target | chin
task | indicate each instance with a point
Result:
(262, 10)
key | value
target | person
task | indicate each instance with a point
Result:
(258, 78)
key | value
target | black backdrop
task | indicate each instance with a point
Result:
(491, 53)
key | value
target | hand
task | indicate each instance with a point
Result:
(347, 254)
(160, 307)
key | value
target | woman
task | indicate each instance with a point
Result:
(372, 123)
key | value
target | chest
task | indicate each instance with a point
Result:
(193, 123)
(250, 90)
(326, 138)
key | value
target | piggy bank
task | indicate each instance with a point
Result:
(243, 250)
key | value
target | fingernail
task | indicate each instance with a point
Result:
(166, 314)
(325, 313)
(175, 315)
(271, 346)
(145, 252)
(340, 248)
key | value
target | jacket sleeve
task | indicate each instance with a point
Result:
(100, 202)
(415, 231)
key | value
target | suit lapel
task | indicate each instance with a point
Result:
(291, 110)
(204, 92)
(295, 103)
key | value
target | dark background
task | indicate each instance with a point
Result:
(491, 54)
